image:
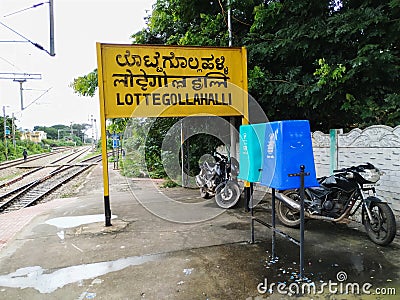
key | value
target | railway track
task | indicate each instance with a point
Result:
(20, 161)
(42, 169)
(72, 156)
(34, 191)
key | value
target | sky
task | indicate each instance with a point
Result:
(79, 24)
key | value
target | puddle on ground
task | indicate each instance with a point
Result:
(74, 221)
(47, 282)
(236, 226)
(322, 266)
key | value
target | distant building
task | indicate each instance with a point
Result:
(34, 136)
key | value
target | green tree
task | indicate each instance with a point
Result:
(60, 131)
(85, 85)
(201, 22)
(8, 124)
(118, 125)
(52, 133)
(79, 131)
(16, 152)
(335, 63)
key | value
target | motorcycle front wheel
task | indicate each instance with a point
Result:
(286, 215)
(382, 229)
(227, 194)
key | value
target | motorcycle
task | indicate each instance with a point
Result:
(336, 198)
(219, 179)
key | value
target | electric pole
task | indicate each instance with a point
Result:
(5, 131)
(232, 152)
(21, 78)
(13, 131)
(51, 14)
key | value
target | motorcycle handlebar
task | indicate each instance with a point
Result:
(345, 170)
(355, 168)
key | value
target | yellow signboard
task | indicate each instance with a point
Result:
(168, 81)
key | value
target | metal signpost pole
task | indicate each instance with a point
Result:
(182, 155)
(249, 193)
(13, 131)
(5, 131)
(302, 174)
(113, 139)
(106, 194)
(273, 224)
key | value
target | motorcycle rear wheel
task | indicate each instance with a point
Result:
(227, 194)
(286, 215)
(383, 229)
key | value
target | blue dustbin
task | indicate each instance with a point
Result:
(251, 151)
(287, 146)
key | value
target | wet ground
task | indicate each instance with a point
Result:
(66, 252)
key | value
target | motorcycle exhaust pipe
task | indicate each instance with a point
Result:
(296, 206)
(288, 201)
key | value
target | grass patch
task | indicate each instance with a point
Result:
(168, 183)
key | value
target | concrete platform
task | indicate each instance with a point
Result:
(62, 250)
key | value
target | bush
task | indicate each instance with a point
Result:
(58, 143)
(16, 152)
(168, 183)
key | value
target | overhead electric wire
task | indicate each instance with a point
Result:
(10, 63)
(14, 42)
(45, 92)
(24, 9)
(28, 40)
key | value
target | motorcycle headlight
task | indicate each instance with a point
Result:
(370, 175)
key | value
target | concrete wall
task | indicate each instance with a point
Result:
(378, 144)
